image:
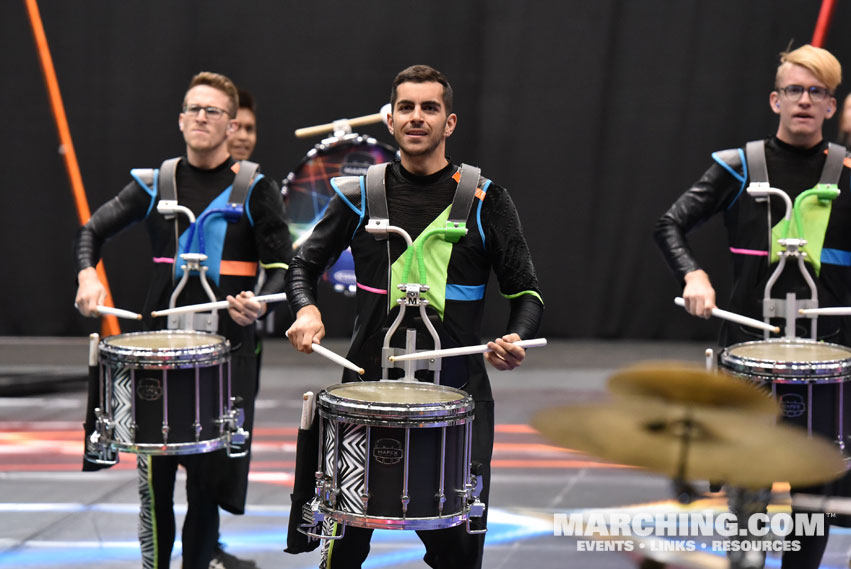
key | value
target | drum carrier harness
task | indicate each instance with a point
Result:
(168, 207)
(760, 189)
(379, 226)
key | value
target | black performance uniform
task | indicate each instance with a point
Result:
(721, 189)
(235, 249)
(494, 241)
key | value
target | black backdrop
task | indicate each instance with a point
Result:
(595, 115)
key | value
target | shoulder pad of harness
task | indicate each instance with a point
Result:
(348, 186)
(731, 157)
(144, 175)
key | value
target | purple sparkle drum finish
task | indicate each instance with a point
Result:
(394, 455)
(809, 380)
(164, 392)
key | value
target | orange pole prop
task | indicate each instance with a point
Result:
(823, 23)
(109, 324)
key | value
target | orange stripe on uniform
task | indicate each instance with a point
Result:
(479, 193)
(238, 268)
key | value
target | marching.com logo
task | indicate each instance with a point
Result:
(627, 531)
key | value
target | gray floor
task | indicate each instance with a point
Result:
(55, 516)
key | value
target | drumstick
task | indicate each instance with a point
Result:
(832, 311)
(733, 317)
(464, 351)
(215, 305)
(118, 312)
(309, 131)
(306, 410)
(337, 359)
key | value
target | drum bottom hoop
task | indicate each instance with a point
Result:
(172, 449)
(378, 522)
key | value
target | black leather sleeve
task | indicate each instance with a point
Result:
(330, 237)
(129, 206)
(512, 261)
(711, 194)
(525, 316)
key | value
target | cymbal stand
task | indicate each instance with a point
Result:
(685, 429)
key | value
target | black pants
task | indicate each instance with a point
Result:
(201, 526)
(451, 548)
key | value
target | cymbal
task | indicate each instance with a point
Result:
(678, 382)
(744, 450)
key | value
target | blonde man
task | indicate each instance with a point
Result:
(795, 159)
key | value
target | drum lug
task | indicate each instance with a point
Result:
(235, 434)
(98, 448)
(475, 508)
(165, 430)
(197, 426)
(312, 514)
(405, 501)
(325, 491)
(441, 499)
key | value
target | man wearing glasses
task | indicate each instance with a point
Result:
(204, 180)
(796, 159)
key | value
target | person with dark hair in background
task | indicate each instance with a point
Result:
(242, 141)
(844, 136)
(241, 145)
(796, 158)
(259, 236)
(420, 189)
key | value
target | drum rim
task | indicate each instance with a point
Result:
(822, 370)
(382, 522)
(171, 449)
(217, 352)
(378, 413)
(353, 139)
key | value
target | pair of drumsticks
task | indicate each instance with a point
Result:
(321, 350)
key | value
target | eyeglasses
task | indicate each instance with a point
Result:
(795, 92)
(212, 113)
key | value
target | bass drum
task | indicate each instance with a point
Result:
(307, 191)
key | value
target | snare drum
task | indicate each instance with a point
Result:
(395, 455)
(807, 378)
(165, 392)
